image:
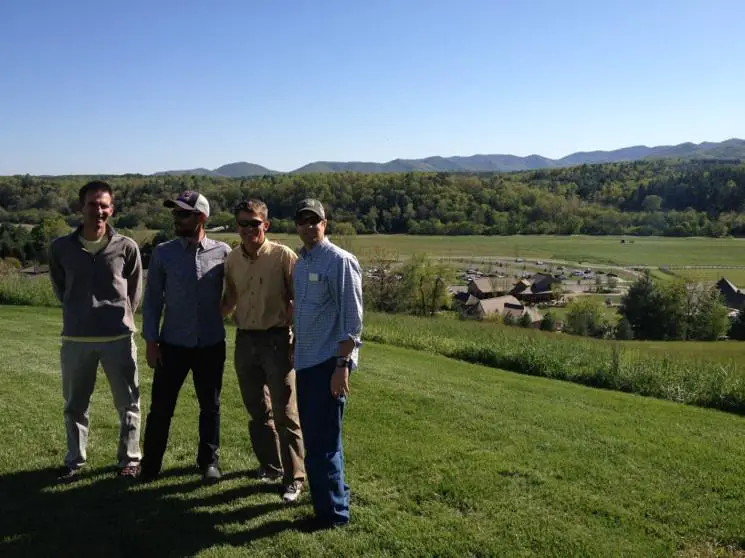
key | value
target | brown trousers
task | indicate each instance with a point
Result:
(267, 382)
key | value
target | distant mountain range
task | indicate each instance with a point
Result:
(729, 149)
(235, 170)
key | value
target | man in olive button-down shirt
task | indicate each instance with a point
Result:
(258, 289)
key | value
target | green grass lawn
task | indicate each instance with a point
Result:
(444, 459)
(654, 251)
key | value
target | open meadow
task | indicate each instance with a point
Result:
(606, 250)
(444, 457)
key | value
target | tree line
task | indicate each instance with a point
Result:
(676, 310)
(705, 198)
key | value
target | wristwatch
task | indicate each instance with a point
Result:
(342, 362)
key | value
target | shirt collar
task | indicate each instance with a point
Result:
(317, 249)
(203, 244)
(262, 249)
(78, 232)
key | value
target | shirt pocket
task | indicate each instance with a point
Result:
(317, 292)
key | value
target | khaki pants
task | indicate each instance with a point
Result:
(79, 362)
(267, 382)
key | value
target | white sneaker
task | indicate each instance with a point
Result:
(292, 492)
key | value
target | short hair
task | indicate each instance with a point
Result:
(253, 205)
(94, 186)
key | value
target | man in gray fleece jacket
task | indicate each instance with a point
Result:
(96, 274)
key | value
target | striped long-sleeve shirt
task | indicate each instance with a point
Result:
(184, 286)
(328, 304)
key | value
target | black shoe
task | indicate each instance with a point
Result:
(212, 474)
(68, 474)
(147, 475)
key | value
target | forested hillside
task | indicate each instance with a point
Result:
(698, 198)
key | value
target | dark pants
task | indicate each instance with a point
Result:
(320, 419)
(207, 365)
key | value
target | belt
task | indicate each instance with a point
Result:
(270, 331)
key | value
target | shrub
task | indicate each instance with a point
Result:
(17, 290)
(548, 323)
(623, 331)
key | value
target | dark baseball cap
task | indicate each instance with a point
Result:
(191, 201)
(314, 206)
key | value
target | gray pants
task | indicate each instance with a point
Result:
(79, 366)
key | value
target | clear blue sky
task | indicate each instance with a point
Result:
(145, 85)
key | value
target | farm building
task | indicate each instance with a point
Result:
(488, 287)
(459, 293)
(733, 297)
(538, 289)
(501, 305)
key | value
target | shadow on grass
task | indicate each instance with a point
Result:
(102, 515)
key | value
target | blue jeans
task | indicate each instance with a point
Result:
(320, 420)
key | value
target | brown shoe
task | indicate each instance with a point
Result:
(130, 472)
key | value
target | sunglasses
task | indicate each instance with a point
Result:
(183, 213)
(250, 223)
(311, 220)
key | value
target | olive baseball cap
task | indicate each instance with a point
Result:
(312, 205)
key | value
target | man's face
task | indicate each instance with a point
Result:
(97, 208)
(252, 227)
(186, 223)
(310, 227)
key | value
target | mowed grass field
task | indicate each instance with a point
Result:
(651, 251)
(444, 459)
(736, 276)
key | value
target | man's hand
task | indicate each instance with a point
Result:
(153, 354)
(340, 382)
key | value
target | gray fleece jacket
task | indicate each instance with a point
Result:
(99, 293)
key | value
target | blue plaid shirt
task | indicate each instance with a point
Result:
(184, 286)
(328, 304)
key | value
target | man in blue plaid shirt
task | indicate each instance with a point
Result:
(328, 325)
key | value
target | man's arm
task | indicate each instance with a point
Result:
(152, 307)
(288, 268)
(133, 275)
(229, 293)
(348, 292)
(56, 273)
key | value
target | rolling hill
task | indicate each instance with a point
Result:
(729, 149)
(232, 170)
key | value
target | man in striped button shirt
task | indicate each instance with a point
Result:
(328, 325)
